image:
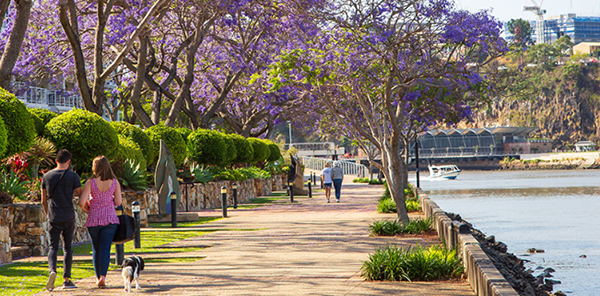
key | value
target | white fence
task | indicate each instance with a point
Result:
(350, 168)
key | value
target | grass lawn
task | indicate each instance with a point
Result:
(30, 278)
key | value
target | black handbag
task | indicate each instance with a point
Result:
(125, 229)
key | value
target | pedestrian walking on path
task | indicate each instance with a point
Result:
(326, 180)
(101, 194)
(337, 174)
(58, 186)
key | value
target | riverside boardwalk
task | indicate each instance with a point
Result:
(306, 248)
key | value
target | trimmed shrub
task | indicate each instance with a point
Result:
(41, 117)
(361, 180)
(231, 150)
(128, 151)
(245, 152)
(173, 140)
(3, 137)
(274, 152)
(20, 128)
(261, 150)
(184, 132)
(375, 182)
(138, 136)
(207, 147)
(242, 174)
(85, 134)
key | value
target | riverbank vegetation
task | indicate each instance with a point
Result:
(388, 205)
(392, 263)
(547, 86)
(509, 163)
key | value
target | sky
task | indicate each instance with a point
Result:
(505, 10)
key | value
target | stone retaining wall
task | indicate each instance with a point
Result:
(5, 255)
(25, 226)
(483, 276)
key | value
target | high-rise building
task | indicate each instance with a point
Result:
(580, 29)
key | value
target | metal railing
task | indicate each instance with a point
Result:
(349, 168)
(42, 96)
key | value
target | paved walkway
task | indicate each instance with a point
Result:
(306, 248)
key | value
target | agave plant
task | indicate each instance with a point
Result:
(201, 174)
(133, 176)
(12, 185)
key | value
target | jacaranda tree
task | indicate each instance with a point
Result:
(388, 69)
(14, 15)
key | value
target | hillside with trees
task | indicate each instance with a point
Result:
(548, 87)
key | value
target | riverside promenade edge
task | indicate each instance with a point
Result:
(484, 278)
(309, 247)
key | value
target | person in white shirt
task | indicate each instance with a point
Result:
(326, 179)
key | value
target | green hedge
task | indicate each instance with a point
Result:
(85, 134)
(184, 132)
(138, 136)
(274, 152)
(207, 147)
(20, 128)
(127, 150)
(173, 140)
(261, 150)
(231, 151)
(41, 117)
(3, 137)
(245, 153)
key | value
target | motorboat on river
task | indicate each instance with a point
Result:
(444, 171)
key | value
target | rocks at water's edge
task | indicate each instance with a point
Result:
(509, 265)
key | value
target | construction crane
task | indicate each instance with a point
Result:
(540, 26)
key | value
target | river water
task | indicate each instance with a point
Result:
(557, 211)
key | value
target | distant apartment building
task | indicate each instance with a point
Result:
(579, 28)
(55, 100)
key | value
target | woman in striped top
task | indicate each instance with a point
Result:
(101, 194)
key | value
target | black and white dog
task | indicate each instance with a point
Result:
(132, 267)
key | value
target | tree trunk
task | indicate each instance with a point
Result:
(13, 46)
(395, 173)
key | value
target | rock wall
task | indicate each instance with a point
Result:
(28, 227)
(200, 196)
(24, 227)
(5, 255)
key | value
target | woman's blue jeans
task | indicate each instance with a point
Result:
(337, 183)
(102, 237)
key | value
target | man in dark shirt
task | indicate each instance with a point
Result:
(58, 186)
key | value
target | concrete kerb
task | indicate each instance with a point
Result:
(484, 278)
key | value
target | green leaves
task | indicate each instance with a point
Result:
(173, 140)
(85, 134)
(417, 264)
(133, 176)
(20, 129)
(12, 185)
(388, 228)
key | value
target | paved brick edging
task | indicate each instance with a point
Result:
(483, 276)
